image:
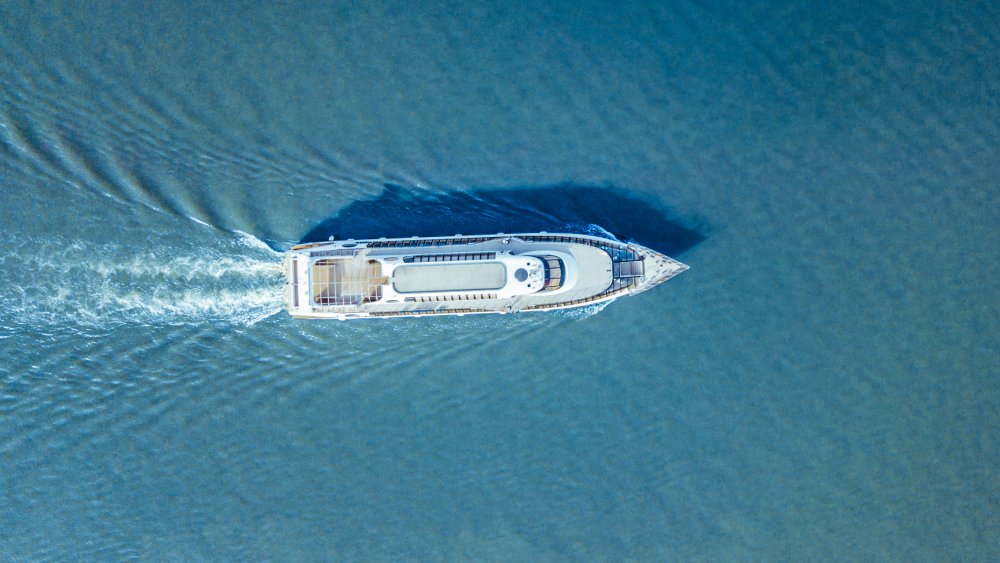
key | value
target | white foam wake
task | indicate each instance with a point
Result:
(589, 229)
(587, 311)
(58, 282)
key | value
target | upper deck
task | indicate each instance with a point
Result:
(501, 273)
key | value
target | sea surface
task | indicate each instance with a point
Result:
(821, 385)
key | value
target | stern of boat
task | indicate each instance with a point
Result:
(296, 268)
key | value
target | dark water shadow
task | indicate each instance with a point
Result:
(403, 212)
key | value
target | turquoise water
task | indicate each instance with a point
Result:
(820, 385)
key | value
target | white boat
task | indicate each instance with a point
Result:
(462, 275)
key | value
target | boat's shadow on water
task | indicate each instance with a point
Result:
(403, 212)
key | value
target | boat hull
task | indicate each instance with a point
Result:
(466, 275)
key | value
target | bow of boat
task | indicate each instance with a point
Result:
(656, 269)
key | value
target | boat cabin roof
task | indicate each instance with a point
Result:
(478, 276)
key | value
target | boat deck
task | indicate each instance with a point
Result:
(349, 281)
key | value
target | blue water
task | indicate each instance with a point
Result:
(821, 385)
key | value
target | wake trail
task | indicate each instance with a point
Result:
(58, 283)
